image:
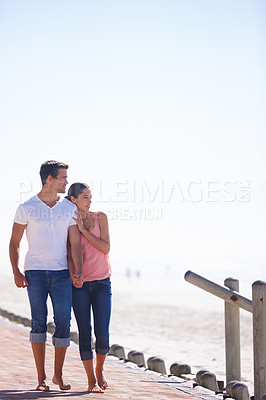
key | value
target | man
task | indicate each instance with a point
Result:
(49, 224)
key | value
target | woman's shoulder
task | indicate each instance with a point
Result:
(101, 215)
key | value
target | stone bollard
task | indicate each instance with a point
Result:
(240, 391)
(199, 373)
(137, 358)
(4, 313)
(179, 369)
(50, 327)
(129, 354)
(25, 321)
(117, 351)
(15, 318)
(228, 388)
(18, 319)
(220, 385)
(74, 337)
(12, 317)
(21, 320)
(156, 364)
(237, 390)
(208, 380)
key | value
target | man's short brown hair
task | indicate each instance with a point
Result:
(51, 167)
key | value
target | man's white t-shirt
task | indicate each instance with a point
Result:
(46, 231)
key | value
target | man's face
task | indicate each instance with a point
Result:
(60, 181)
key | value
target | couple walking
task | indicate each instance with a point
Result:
(67, 244)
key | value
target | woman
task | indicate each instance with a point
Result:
(96, 289)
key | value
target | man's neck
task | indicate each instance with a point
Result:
(48, 196)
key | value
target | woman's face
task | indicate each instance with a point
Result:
(83, 201)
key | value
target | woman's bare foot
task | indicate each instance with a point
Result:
(101, 379)
(95, 389)
(43, 387)
(58, 380)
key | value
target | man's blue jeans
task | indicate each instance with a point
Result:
(58, 285)
(95, 294)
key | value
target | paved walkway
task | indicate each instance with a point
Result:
(18, 376)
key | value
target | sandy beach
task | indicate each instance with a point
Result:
(177, 331)
(191, 335)
(125, 380)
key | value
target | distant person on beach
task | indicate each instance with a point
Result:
(48, 223)
(96, 290)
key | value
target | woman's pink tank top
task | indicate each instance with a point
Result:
(96, 265)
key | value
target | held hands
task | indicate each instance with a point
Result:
(77, 280)
(79, 221)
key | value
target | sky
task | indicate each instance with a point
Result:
(160, 107)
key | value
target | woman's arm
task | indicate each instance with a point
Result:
(103, 243)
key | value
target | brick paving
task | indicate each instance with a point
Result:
(18, 376)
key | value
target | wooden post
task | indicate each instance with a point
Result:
(232, 335)
(259, 338)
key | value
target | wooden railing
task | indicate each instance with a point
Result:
(233, 300)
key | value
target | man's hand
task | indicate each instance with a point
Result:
(20, 280)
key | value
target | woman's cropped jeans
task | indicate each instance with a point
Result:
(95, 294)
(58, 285)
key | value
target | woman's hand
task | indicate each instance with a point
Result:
(79, 221)
(77, 280)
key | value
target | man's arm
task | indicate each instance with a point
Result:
(17, 233)
(76, 249)
(70, 263)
